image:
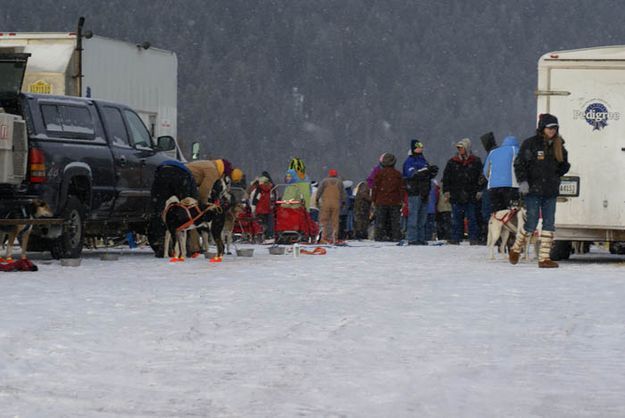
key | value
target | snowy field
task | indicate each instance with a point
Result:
(365, 331)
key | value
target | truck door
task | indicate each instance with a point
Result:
(150, 158)
(594, 133)
(130, 198)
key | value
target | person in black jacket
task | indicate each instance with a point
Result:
(461, 185)
(541, 161)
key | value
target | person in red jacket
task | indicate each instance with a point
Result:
(387, 196)
(263, 201)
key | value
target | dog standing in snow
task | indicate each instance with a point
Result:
(35, 210)
(500, 225)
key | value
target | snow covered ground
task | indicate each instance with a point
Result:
(365, 331)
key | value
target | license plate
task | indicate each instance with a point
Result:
(569, 186)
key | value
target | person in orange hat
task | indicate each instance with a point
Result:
(330, 195)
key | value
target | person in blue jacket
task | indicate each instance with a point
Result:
(417, 173)
(503, 187)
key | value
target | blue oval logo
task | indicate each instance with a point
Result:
(596, 115)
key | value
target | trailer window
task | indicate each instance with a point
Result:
(138, 131)
(116, 127)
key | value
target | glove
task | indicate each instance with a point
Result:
(433, 170)
(478, 195)
(524, 188)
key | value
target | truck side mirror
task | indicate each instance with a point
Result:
(166, 143)
(195, 151)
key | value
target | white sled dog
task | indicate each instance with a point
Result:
(505, 222)
(500, 225)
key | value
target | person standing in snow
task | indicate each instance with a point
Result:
(430, 224)
(346, 218)
(362, 210)
(443, 216)
(329, 199)
(461, 184)
(387, 196)
(541, 161)
(503, 188)
(418, 174)
(263, 200)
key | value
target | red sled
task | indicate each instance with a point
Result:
(294, 224)
(248, 227)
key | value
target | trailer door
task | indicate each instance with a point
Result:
(594, 133)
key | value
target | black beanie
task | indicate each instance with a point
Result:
(547, 120)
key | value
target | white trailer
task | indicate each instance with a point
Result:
(585, 89)
(138, 75)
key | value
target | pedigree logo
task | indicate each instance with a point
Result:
(40, 87)
(595, 112)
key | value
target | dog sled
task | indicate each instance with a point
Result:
(293, 222)
(247, 227)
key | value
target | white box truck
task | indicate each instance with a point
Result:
(585, 89)
(82, 64)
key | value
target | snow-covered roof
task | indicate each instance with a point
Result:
(603, 53)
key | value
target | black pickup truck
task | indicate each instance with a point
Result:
(92, 161)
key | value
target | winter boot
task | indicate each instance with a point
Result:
(544, 254)
(519, 244)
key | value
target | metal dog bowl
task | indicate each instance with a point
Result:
(276, 250)
(109, 257)
(209, 255)
(70, 262)
(245, 252)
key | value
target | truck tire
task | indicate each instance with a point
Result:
(70, 243)
(561, 250)
(156, 235)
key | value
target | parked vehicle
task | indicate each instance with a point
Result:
(584, 89)
(85, 65)
(92, 161)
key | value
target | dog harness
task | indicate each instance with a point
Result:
(506, 218)
(193, 212)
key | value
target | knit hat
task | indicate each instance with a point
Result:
(224, 167)
(237, 175)
(415, 143)
(547, 120)
(298, 165)
(332, 173)
(388, 160)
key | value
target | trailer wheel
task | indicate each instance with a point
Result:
(617, 247)
(70, 243)
(561, 250)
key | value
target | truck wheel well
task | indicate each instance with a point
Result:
(79, 187)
